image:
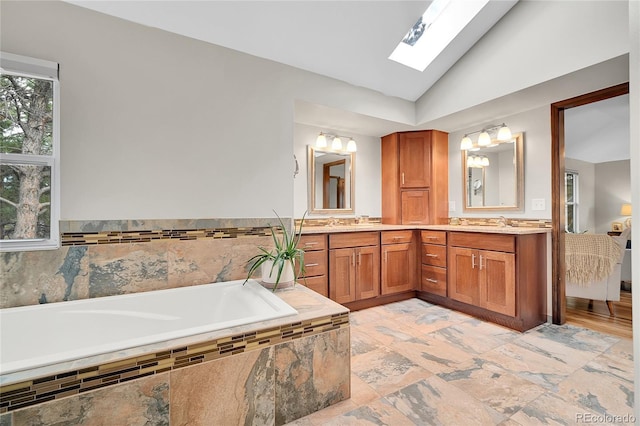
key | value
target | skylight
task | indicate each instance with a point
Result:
(435, 29)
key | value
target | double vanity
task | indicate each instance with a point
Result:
(494, 273)
(497, 273)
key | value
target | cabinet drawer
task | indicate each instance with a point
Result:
(434, 280)
(354, 239)
(313, 242)
(315, 263)
(434, 255)
(482, 241)
(434, 237)
(396, 237)
(317, 284)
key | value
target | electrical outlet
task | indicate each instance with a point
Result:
(452, 206)
(538, 204)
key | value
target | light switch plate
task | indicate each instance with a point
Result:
(452, 206)
(538, 204)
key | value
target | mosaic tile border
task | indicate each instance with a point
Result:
(326, 221)
(517, 223)
(144, 236)
(483, 221)
(24, 394)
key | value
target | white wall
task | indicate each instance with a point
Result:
(368, 182)
(586, 193)
(535, 42)
(155, 125)
(535, 125)
(612, 189)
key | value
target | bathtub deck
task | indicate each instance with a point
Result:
(316, 314)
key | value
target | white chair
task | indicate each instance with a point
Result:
(606, 289)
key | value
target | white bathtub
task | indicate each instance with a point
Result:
(35, 336)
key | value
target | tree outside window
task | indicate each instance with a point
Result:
(27, 162)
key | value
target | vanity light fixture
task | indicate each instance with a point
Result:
(336, 142)
(484, 139)
(478, 162)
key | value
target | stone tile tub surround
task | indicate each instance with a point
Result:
(285, 369)
(104, 258)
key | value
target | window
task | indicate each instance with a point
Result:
(571, 202)
(29, 153)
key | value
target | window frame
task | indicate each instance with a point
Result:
(24, 66)
(574, 206)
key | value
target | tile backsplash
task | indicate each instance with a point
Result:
(104, 258)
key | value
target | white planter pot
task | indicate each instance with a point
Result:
(269, 277)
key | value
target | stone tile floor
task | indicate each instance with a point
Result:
(414, 363)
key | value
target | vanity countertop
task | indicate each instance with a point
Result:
(516, 230)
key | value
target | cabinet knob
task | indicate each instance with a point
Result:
(431, 255)
(431, 280)
(310, 264)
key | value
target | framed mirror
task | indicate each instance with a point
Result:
(493, 176)
(331, 181)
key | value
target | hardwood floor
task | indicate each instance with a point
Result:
(596, 317)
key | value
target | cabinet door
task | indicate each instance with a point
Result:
(463, 275)
(415, 160)
(415, 207)
(367, 272)
(398, 266)
(498, 282)
(342, 275)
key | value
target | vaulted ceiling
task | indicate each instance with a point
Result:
(351, 41)
(347, 40)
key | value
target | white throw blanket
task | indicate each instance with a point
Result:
(590, 257)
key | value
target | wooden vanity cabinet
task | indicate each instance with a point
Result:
(354, 266)
(433, 260)
(315, 263)
(415, 177)
(499, 277)
(398, 261)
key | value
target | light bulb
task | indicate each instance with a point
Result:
(484, 161)
(504, 134)
(321, 141)
(466, 143)
(337, 143)
(484, 139)
(351, 145)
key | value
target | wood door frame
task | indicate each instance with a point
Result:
(558, 267)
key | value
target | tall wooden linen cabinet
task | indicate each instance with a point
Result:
(415, 174)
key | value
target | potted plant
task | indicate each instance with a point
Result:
(279, 264)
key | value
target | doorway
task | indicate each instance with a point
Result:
(558, 267)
